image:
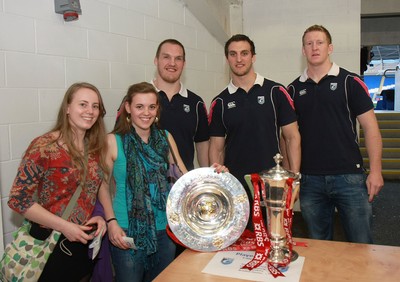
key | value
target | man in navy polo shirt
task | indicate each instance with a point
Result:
(247, 116)
(183, 113)
(329, 101)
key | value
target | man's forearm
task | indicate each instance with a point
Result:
(202, 153)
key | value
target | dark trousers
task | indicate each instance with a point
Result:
(61, 266)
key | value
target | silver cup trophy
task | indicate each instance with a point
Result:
(279, 201)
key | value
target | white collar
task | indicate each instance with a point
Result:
(334, 70)
(232, 88)
(183, 91)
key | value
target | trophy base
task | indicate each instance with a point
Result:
(277, 257)
(295, 256)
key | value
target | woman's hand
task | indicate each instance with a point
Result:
(219, 168)
(76, 233)
(99, 223)
(115, 234)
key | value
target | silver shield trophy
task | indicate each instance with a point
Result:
(207, 211)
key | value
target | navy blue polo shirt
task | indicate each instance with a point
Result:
(185, 117)
(327, 113)
(251, 123)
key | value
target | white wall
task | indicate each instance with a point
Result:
(1, 231)
(276, 27)
(112, 45)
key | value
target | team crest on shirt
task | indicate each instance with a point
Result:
(261, 100)
(231, 105)
(186, 108)
(303, 92)
(333, 86)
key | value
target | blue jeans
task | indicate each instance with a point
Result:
(321, 194)
(129, 269)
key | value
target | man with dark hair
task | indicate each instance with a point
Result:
(183, 113)
(246, 118)
(329, 101)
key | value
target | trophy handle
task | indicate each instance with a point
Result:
(249, 182)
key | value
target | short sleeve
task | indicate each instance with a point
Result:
(215, 119)
(202, 132)
(287, 113)
(359, 100)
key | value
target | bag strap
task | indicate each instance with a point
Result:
(170, 148)
(78, 190)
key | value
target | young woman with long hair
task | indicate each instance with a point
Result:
(51, 170)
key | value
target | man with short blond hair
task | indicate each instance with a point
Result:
(329, 101)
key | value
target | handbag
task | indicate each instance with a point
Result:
(25, 257)
(173, 172)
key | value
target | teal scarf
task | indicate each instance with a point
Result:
(139, 176)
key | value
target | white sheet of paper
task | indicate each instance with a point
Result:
(96, 244)
(130, 241)
(229, 264)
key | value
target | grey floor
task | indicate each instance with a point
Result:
(386, 218)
